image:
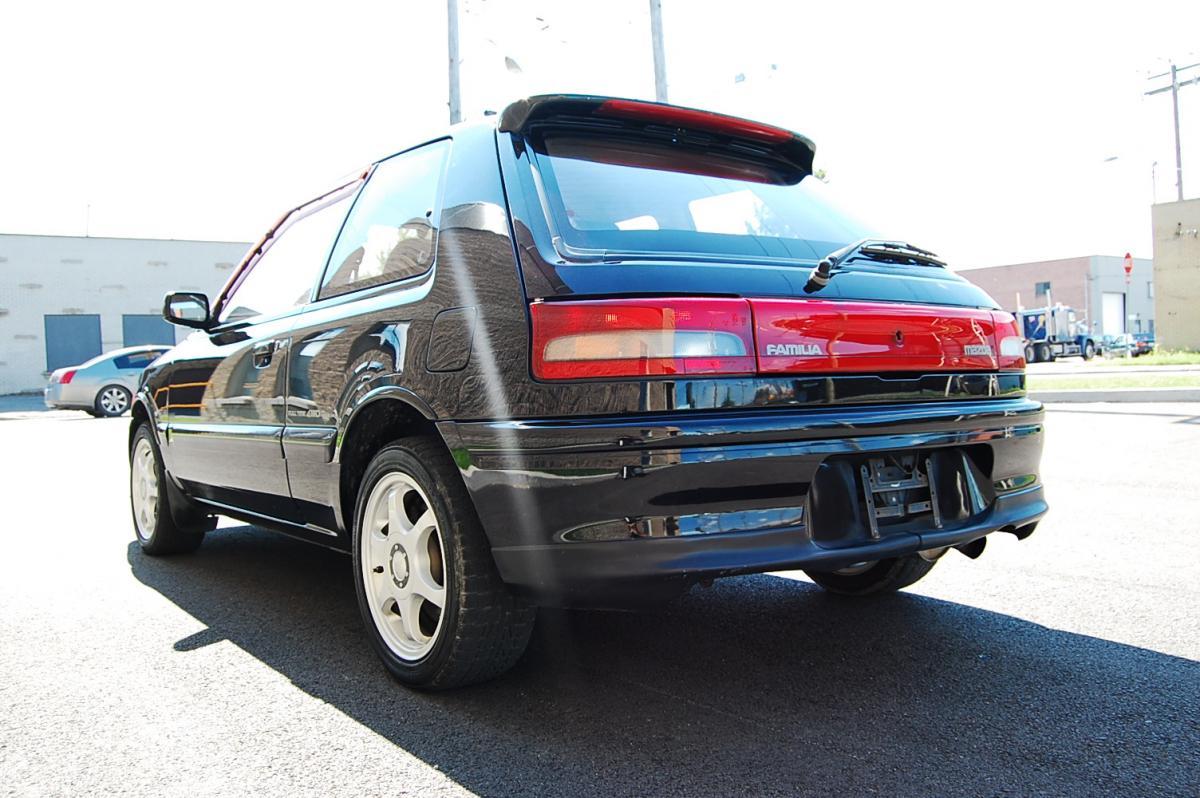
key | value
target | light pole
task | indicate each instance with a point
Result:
(452, 34)
(660, 58)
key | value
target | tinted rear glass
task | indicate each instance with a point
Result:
(640, 197)
(136, 360)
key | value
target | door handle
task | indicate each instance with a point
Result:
(264, 352)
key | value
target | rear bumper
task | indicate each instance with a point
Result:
(60, 396)
(578, 509)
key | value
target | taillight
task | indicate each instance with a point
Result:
(1010, 345)
(638, 338)
(692, 118)
(67, 376)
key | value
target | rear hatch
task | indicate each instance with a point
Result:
(658, 240)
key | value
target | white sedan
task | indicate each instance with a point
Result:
(104, 385)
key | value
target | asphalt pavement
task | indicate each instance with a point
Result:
(1066, 664)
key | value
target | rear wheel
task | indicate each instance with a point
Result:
(879, 576)
(434, 606)
(112, 400)
(1030, 354)
(157, 529)
(1043, 353)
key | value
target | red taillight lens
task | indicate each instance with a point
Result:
(1010, 345)
(639, 338)
(693, 118)
(67, 376)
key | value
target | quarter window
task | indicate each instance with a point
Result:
(283, 276)
(390, 233)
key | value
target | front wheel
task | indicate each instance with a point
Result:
(1089, 350)
(434, 606)
(1030, 354)
(158, 531)
(112, 400)
(879, 576)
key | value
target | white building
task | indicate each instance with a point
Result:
(64, 299)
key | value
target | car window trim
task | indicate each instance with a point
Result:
(436, 219)
(267, 241)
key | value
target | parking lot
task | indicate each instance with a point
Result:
(1066, 664)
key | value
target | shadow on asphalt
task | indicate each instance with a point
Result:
(758, 685)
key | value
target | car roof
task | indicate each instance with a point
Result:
(128, 350)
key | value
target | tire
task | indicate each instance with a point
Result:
(440, 554)
(1043, 353)
(1030, 354)
(111, 401)
(1089, 350)
(883, 576)
(157, 529)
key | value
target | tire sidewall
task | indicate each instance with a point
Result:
(885, 576)
(424, 670)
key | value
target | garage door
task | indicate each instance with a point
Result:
(1114, 314)
(145, 328)
(70, 340)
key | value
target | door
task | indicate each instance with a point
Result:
(70, 340)
(357, 331)
(139, 328)
(1113, 313)
(227, 387)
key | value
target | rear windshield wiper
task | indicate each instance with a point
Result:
(873, 249)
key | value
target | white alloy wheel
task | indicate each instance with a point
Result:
(143, 487)
(403, 567)
(114, 400)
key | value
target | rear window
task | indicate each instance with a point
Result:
(639, 197)
(136, 360)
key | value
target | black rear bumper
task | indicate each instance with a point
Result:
(581, 509)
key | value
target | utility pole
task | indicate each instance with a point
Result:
(660, 59)
(1174, 89)
(452, 31)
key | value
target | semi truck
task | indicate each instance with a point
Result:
(1053, 332)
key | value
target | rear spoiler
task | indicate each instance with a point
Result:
(521, 115)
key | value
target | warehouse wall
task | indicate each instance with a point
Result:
(1067, 278)
(1177, 273)
(1079, 283)
(111, 277)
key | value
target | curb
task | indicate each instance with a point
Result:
(1119, 395)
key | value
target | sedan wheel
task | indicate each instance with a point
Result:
(113, 400)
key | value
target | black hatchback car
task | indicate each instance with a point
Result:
(594, 352)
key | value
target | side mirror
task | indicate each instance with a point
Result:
(187, 308)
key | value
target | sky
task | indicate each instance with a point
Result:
(989, 133)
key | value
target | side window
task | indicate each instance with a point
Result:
(284, 275)
(136, 360)
(390, 233)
